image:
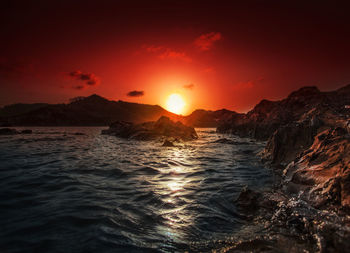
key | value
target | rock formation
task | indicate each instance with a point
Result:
(306, 104)
(308, 145)
(162, 128)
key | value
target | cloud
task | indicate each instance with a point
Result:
(248, 85)
(136, 93)
(189, 86)
(209, 70)
(206, 41)
(167, 53)
(171, 54)
(89, 79)
(153, 49)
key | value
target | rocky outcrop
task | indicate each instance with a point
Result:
(160, 129)
(323, 170)
(308, 146)
(307, 103)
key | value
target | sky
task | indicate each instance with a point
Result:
(214, 54)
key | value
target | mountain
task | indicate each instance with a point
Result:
(204, 118)
(83, 111)
(95, 110)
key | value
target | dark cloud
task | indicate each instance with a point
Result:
(189, 86)
(89, 79)
(206, 41)
(168, 53)
(136, 93)
(79, 87)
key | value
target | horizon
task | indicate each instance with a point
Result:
(183, 115)
(213, 55)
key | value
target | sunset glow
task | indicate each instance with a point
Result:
(175, 104)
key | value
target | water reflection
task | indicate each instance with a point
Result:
(173, 187)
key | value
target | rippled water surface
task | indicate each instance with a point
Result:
(62, 192)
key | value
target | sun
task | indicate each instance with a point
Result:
(175, 104)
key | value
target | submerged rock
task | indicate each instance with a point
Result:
(8, 131)
(162, 128)
(224, 141)
(248, 200)
(168, 143)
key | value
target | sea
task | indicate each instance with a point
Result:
(71, 189)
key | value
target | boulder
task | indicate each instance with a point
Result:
(8, 131)
(168, 143)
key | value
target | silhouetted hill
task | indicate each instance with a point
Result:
(83, 111)
(17, 109)
(204, 118)
(95, 110)
(305, 103)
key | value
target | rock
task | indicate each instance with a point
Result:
(325, 169)
(8, 131)
(288, 141)
(27, 131)
(162, 128)
(224, 141)
(305, 104)
(168, 143)
(78, 133)
(248, 200)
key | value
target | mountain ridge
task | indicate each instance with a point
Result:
(95, 110)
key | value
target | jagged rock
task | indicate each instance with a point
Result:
(325, 169)
(162, 128)
(288, 141)
(305, 104)
(8, 131)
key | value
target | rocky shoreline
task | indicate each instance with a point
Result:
(308, 148)
(164, 129)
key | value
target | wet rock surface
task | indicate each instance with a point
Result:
(308, 147)
(162, 128)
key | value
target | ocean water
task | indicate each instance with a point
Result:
(63, 192)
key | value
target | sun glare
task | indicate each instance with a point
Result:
(175, 103)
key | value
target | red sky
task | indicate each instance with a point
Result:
(215, 54)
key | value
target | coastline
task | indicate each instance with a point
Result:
(308, 149)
